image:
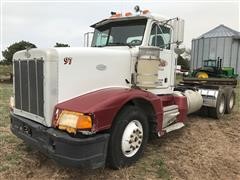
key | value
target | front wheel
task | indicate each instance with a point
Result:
(129, 136)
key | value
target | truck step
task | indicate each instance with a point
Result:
(169, 108)
(173, 127)
(170, 114)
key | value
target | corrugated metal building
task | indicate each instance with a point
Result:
(222, 42)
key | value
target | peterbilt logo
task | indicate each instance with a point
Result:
(101, 67)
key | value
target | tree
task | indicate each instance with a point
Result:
(18, 46)
(61, 45)
(184, 63)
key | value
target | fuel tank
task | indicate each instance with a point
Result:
(194, 100)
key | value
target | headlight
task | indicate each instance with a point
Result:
(73, 121)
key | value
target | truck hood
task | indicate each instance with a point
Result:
(83, 70)
(72, 72)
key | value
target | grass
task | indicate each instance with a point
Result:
(5, 73)
(5, 69)
(7, 138)
(161, 169)
(152, 164)
(179, 78)
(10, 156)
(5, 93)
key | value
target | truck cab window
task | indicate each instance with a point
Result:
(160, 36)
(100, 38)
(131, 34)
(120, 33)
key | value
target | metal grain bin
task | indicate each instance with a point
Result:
(222, 42)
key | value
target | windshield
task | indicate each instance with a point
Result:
(211, 63)
(121, 33)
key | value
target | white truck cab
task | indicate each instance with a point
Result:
(143, 30)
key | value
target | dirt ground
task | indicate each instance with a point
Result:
(204, 149)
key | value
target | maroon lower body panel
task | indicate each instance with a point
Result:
(181, 101)
(106, 103)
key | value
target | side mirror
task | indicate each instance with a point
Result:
(88, 39)
(178, 30)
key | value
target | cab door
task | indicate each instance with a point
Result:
(161, 37)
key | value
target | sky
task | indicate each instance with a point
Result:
(45, 23)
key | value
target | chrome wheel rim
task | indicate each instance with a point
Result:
(222, 106)
(231, 102)
(132, 138)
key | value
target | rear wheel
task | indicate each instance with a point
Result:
(220, 108)
(128, 137)
(230, 101)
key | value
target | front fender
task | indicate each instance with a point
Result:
(106, 103)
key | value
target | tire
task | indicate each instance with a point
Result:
(230, 101)
(202, 75)
(220, 108)
(131, 124)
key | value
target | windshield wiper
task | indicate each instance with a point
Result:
(119, 44)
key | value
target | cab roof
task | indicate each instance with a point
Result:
(125, 18)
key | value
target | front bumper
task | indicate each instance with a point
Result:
(89, 152)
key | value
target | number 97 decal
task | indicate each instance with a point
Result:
(67, 60)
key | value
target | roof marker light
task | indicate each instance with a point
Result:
(128, 14)
(146, 11)
(116, 15)
(113, 13)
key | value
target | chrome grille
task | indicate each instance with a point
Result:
(28, 80)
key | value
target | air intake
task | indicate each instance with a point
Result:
(28, 86)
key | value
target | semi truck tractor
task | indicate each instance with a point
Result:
(95, 106)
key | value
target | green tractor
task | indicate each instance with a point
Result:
(213, 69)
